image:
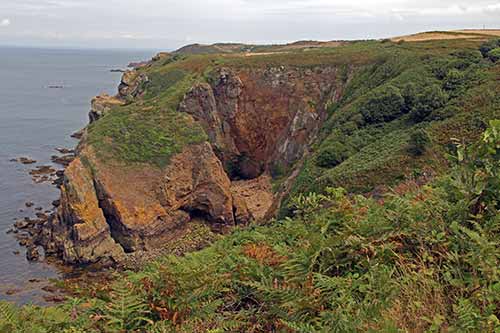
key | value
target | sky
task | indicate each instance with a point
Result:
(169, 24)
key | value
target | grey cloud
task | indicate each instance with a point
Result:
(167, 24)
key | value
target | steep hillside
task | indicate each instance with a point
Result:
(422, 259)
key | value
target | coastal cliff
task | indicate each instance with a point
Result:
(256, 122)
(231, 139)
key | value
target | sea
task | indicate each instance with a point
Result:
(44, 97)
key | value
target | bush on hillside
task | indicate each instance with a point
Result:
(409, 93)
(382, 105)
(332, 155)
(486, 47)
(454, 79)
(494, 55)
(467, 58)
(444, 113)
(429, 99)
(419, 140)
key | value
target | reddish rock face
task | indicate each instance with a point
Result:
(257, 118)
(80, 233)
(117, 209)
(130, 85)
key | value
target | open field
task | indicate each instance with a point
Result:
(491, 32)
(442, 35)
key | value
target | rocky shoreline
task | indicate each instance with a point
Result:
(28, 230)
(31, 233)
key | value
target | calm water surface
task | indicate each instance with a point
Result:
(34, 120)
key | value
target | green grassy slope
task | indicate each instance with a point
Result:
(445, 88)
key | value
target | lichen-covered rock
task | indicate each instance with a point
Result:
(79, 233)
(131, 83)
(102, 104)
(129, 88)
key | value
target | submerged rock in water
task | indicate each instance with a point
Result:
(11, 292)
(22, 224)
(65, 150)
(78, 134)
(26, 160)
(64, 160)
(42, 216)
(32, 253)
(42, 170)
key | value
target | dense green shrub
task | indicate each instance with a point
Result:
(454, 79)
(159, 82)
(277, 170)
(461, 61)
(409, 93)
(444, 113)
(419, 140)
(486, 47)
(382, 105)
(467, 58)
(429, 99)
(332, 154)
(494, 55)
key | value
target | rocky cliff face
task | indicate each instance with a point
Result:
(79, 232)
(257, 120)
(102, 104)
(130, 87)
(112, 210)
(262, 119)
